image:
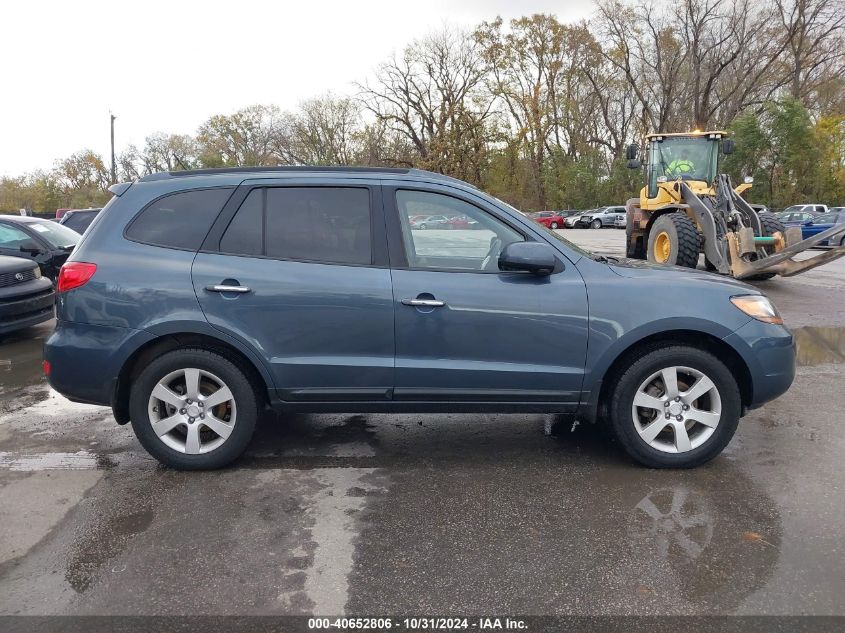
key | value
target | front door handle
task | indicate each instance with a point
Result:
(224, 288)
(426, 303)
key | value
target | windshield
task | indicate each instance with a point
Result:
(55, 234)
(685, 158)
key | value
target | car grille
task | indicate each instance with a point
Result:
(10, 279)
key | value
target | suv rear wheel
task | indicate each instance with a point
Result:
(675, 407)
(193, 409)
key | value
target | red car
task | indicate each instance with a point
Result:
(462, 222)
(551, 219)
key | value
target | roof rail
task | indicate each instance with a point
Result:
(164, 175)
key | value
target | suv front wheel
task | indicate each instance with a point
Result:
(193, 409)
(675, 407)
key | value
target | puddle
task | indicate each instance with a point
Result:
(819, 345)
(81, 460)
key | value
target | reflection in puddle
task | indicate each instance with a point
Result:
(718, 552)
(818, 345)
(675, 521)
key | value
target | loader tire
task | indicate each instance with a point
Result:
(770, 225)
(674, 241)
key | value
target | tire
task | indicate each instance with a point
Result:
(677, 233)
(554, 225)
(705, 441)
(634, 249)
(171, 448)
(596, 224)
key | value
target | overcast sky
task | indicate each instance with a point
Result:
(169, 65)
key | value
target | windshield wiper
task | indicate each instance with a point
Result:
(605, 259)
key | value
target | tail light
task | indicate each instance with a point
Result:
(47, 368)
(75, 274)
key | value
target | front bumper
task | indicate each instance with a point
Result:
(26, 304)
(769, 352)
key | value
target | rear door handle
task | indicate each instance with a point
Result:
(222, 288)
(429, 303)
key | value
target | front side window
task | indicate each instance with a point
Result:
(318, 224)
(12, 237)
(469, 238)
(179, 220)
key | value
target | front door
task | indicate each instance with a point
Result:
(466, 331)
(294, 272)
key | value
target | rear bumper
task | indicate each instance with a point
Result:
(26, 304)
(85, 360)
(769, 353)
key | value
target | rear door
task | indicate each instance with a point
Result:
(467, 332)
(298, 271)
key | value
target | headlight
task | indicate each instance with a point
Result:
(758, 307)
(38, 272)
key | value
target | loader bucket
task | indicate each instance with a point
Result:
(781, 263)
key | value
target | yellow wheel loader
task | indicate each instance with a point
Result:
(687, 208)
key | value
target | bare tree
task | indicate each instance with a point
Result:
(430, 95)
(816, 46)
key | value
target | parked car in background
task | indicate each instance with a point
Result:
(45, 242)
(795, 218)
(806, 208)
(61, 212)
(26, 297)
(822, 222)
(461, 222)
(603, 217)
(197, 299)
(551, 219)
(431, 222)
(79, 219)
(574, 221)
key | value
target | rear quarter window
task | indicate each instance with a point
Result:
(178, 220)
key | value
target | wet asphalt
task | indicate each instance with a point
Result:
(431, 514)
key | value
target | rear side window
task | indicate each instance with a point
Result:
(180, 220)
(79, 221)
(318, 224)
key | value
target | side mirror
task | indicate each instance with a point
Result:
(31, 247)
(728, 146)
(808, 222)
(533, 257)
(633, 163)
(631, 151)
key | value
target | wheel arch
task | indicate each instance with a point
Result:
(164, 343)
(596, 405)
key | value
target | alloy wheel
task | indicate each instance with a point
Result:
(192, 411)
(676, 409)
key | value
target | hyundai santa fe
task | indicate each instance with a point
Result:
(198, 298)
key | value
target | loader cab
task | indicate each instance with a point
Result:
(693, 158)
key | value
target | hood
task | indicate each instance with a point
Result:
(15, 264)
(641, 269)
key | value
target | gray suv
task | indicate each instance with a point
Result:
(196, 299)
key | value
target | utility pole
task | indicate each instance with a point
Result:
(113, 167)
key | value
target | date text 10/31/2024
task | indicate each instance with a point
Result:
(417, 624)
